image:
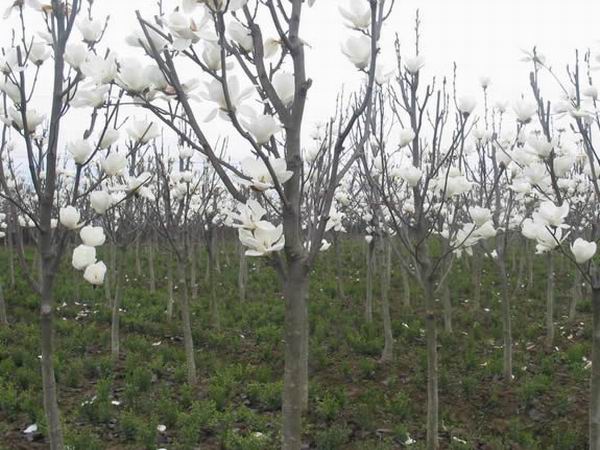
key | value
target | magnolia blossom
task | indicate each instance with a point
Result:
(109, 138)
(69, 217)
(414, 64)
(90, 29)
(550, 214)
(480, 215)
(94, 273)
(100, 70)
(83, 256)
(466, 104)
(114, 164)
(262, 241)
(214, 5)
(216, 94)
(249, 216)
(524, 110)
(80, 150)
(76, 54)
(405, 137)
(358, 50)
(583, 250)
(260, 178)
(100, 201)
(38, 53)
(241, 35)
(143, 131)
(283, 83)
(262, 127)
(410, 174)
(358, 13)
(92, 236)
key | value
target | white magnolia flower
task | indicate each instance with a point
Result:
(550, 214)
(261, 242)
(357, 13)
(76, 54)
(358, 50)
(410, 174)
(249, 216)
(480, 215)
(80, 150)
(92, 236)
(283, 83)
(215, 93)
(69, 217)
(100, 70)
(241, 36)
(83, 256)
(114, 164)
(583, 250)
(262, 127)
(90, 29)
(109, 138)
(94, 273)
(91, 97)
(100, 201)
(466, 104)
(260, 178)
(414, 64)
(405, 137)
(143, 131)
(38, 53)
(524, 110)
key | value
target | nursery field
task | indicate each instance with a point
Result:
(356, 402)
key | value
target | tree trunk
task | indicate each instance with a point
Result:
(242, 273)
(405, 286)
(386, 275)
(432, 368)
(339, 285)
(550, 301)
(595, 375)
(55, 435)
(506, 321)
(3, 317)
(575, 296)
(295, 380)
(477, 268)
(170, 299)
(214, 304)
(193, 266)
(11, 259)
(369, 294)
(447, 302)
(186, 323)
(151, 273)
(115, 340)
(138, 261)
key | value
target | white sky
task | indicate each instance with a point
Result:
(481, 36)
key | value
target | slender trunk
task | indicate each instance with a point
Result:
(11, 259)
(151, 273)
(595, 375)
(242, 273)
(447, 302)
(575, 296)
(193, 277)
(550, 301)
(50, 390)
(529, 266)
(369, 295)
(186, 323)
(170, 299)
(477, 268)
(115, 340)
(3, 317)
(339, 285)
(295, 380)
(506, 321)
(388, 348)
(138, 261)
(214, 304)
(432, 368)
(405, 286)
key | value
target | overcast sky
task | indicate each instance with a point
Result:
(483, 37)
